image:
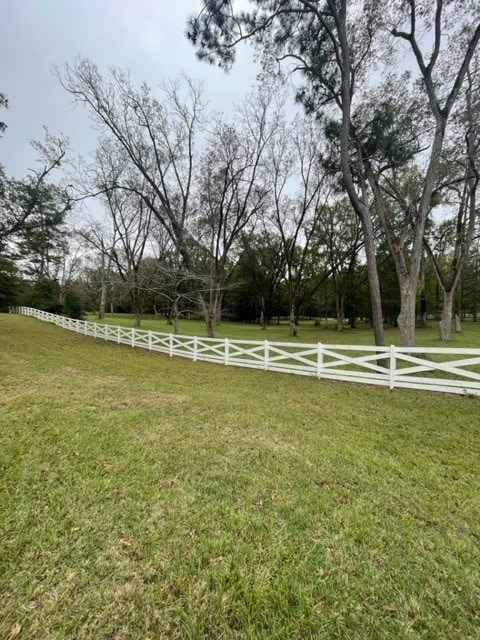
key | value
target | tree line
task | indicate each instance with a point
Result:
(364, 205)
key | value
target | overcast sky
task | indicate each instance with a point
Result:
(145, 36)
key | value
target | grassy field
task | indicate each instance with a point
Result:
(307, 331)
(148, 497)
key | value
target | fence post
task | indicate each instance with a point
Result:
(319, 359)
(227, 351)
(149, 340)
(265, 355)
(170, 345)
(133, 337)
(119, 331)
(94, 329)
(393, 362)
(195, 348)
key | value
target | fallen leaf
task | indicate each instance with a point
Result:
(409, 625)
(389, 607)
(126, 543)
(15, 632)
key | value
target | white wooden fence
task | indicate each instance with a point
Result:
(448, 370)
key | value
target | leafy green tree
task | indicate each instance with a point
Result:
(45, 295)
(471, 280)
(258, 273)
(72, 304)
(11, 285)
(22, 201)
(448, 243)
(41, 239)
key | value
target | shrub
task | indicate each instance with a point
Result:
(45, 295)
(72, 305)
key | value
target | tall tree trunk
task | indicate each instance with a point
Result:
(423, 300)
(209, 312)
(352, 317)
(459, 312)
(423, 310)
(137, 310)
(103, 301)
(445, 324)
(105, 270)
(263, 322)
(293, 325)
(458, 323)
(340, 309)
(373, 280)
(449, 290)
(360, 206)
(406, 317)
(175, 316)
(210, 323)
(203, 308)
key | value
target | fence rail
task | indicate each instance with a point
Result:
(447, 370)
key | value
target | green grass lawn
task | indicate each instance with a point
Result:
(152, 497)
(307, 331)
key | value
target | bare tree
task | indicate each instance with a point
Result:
(172, 286)
(295, 159)
(103, 241)
(123, 249)
(132, 221)
(155, 137)
(232, 193)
